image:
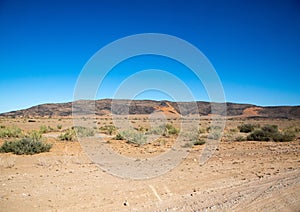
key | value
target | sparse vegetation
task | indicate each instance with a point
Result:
(10, 132)
(215, 135)
(68, 135)
(156, 130)
(27, 146)
(259, 135)
(108, 129)
(45, 129)
(215, 132)
(214, 128)
(193, 139)
(141, 129)
(202, 130)
(246, 128)
(164, 130)
(270, 129)
(119, 137)
(132, 136)
(199, 142)
(240, 138)
(270, 133)
(59, 126)
(233, 130)
(284, 137)
(83, 131)
(170, 130)
(292, 129)
(35, 135)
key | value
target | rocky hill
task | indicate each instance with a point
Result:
(107, 106)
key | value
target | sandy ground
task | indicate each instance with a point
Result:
(240, 176)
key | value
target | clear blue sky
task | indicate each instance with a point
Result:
(253, 45)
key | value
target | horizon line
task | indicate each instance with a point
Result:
(156, 100)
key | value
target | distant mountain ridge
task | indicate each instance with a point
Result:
(104, 107)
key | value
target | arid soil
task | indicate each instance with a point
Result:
(240, 176)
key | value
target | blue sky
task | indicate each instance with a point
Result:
(253, 45)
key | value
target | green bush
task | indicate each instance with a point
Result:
(108, 129)
(10, 132)
(27, 146)
(138, 138)
(292, 129)
(59, 126)
(270, 133)
(171, 130)
(192, 136)
(199, 142)
(119, 137)
(45, 129)
(214, 128)
(83, 131)
(157, 130)
(259, 135)
(246, 128)
(270, 129)
(240, 138)
(164, 130)
(35, 135)
(68, 135)
(132, 137)
(141, 129)
(284, 137)
(215, 132)
(233, 130)
(202, 130)
(215, 135)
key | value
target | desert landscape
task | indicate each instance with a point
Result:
(149, 105)
(242, 174)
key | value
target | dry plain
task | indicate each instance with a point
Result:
(240, 175)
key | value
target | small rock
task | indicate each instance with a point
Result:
(126, 203)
